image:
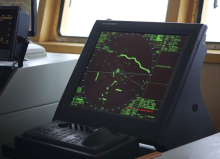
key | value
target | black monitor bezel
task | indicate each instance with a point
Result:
(15, 25)
(129, 125)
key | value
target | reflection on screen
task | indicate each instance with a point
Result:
(128, 73)
(24, 4)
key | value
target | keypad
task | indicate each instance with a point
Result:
(70, 135)
(62, 134)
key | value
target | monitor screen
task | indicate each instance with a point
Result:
(129, 77)
(31, 7)
(7, 19)
(128, 73)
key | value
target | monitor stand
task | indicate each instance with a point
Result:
(34, 51)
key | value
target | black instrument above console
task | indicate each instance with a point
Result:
(14, 24)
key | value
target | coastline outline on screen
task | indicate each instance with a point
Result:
(128, 73)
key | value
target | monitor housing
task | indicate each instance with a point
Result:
(141, 79)
(31, 7)
(9, 17)
(13, 35)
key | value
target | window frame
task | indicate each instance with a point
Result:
(183, 11)
(49, 14)
(210, 45)
(181, 15)
(65, 4)
(213, 52)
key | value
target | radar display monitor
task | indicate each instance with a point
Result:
(128, 73)
(141, 79)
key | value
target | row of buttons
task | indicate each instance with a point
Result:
(61, 124)
(41, 130)
(54, 135)
(75, 140)
(63, 133)
(4, 54)
(60, 135)
(83, 129)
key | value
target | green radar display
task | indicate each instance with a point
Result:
(128, 73)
